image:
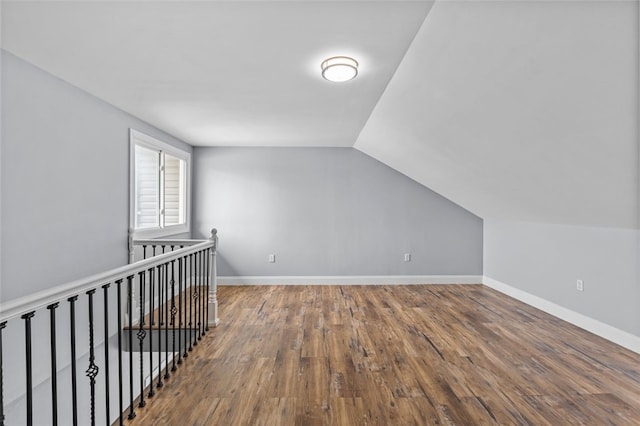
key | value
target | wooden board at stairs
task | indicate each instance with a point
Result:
(188, 311)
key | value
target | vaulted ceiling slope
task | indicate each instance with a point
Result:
(519, 110)
(522, 110)
(222, 73)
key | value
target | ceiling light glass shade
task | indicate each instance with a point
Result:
(339, 68)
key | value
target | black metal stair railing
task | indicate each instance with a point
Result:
(168, 301)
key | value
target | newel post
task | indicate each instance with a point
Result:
(131, 247)
(212, 306)
(131, 309)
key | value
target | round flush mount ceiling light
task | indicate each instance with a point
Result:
(339, 68)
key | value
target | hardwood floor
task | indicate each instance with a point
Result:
(395, 355)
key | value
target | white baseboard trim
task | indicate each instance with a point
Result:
(613, 334)
(352, 280)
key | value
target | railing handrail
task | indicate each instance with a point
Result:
(16, 307)
(163, 242)
(166, 241)
(184, 308)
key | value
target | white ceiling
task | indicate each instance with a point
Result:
(521, 110)
(222, 73)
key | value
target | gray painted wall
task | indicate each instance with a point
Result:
(327, 211)
(65, 180)
(64, 215)
(546, 260)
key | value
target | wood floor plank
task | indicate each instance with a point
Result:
(401, 355)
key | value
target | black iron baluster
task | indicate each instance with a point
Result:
(160, 291)
(106, 351)
(152, 280)
(119, 303)
(165, 319)
(200, 296)
(154, 250)
(191, 285)
(132, 413)
(27, 341)
(74, 382)
(159, 329)
(180, 325)
(152, 322)
(54, 368)
(203, 293)
(173, 311)
(144, 251)
(172, 282)
(196, 299)
(166, 322)
(2, 327)
(141, 335)
(92, 370)
(196, 279)
(205, 286)
(208, 280)
(160, 299)
(185, 353)
(196, 295)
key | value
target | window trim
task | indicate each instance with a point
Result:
(144, 140)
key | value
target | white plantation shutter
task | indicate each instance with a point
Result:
(173, 190)
(159, 187)
(147, 188)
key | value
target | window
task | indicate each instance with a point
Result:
(159, 187)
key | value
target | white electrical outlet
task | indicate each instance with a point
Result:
(272, 258)
(580, 285)
(407, 257)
